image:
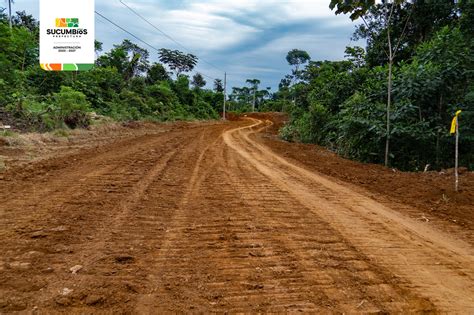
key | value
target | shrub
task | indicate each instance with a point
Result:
(71, 107)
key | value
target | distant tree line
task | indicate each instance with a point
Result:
(124, 85)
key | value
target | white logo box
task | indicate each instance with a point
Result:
(67, 35)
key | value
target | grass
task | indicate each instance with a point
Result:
(61, 133)
(8, 133)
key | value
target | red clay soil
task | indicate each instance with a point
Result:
(219, 217)
(430, 195)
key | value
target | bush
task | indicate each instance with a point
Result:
(288, 132)
(35, 113)
(71, 107)
(307, 127)
(360, 129)
(204, 110)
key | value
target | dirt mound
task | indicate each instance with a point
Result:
(232, 116)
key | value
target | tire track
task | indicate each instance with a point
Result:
(321, 259)
(120, 189)
(437, 266)
(209, 220)
(164, 257)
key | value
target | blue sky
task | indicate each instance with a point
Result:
(246, 38)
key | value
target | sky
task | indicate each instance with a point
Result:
(246, 38)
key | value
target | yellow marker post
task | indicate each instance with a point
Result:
(455, 130)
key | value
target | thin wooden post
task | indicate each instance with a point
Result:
(456, 163)
(455, 130)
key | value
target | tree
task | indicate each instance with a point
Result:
(178, 61)
(241, 96)
(26, 20)
(254, 83)
(128, 58)
(98, 46)
(262, 95)
(218, 86)
(412, 23)
(356, 55)
(3, 15)
(156, 73)
(116, 58)
(359, 8)
(198, 81)
(467, 17)
(19, 44)
(139, 59)
(285, 83)
(297, 58)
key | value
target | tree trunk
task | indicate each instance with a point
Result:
(389, 85)
(438, 135)
(389, 103)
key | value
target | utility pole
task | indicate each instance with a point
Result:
(10, 12)
(225, 95)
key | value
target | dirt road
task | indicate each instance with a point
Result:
(208, 218)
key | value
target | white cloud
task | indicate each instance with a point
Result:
(203, 31)
(249, 37)
(319, 46)
(215, 24)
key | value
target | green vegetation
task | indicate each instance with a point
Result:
(398, 95)
(124, 85)
(251, 98)
(390, 103)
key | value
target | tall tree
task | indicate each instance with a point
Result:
(178, 61)
(218, 86)
(359, 9)
(296, 58)
(128, 58)
(425, 18)
(27, 20)
(254, 83)
(139, 59)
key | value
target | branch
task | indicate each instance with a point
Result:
(391, 57)
(373, 34)
(403, 32)
(391, 11)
